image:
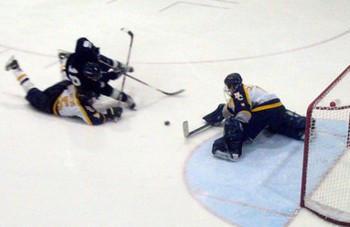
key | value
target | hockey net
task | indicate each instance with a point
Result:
(325, 186)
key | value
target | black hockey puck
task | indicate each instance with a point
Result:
(167, 123)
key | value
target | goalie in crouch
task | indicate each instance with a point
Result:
(249, 111)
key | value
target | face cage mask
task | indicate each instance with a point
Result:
(229, 91)
(94, 77)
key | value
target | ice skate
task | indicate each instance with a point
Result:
(63, 55)
(131, 103)
(12, 64)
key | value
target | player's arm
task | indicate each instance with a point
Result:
(92, 117)
(229, 109)
(244, 116)
(117, 66)
(215, 117)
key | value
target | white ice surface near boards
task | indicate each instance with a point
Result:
(61, 172)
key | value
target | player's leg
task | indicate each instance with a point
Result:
(234, 136)
(292, 125)
(13, 66)
(45, 100)
(39, 100)
(63, 57)
(33, 95)
(123, 97)
(229, 147)
(260, 120)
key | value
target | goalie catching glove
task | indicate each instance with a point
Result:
(216, 117)
(114, 112)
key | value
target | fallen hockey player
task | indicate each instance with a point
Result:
(62, 98)
(248, 112)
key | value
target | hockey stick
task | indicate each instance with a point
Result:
(164, 92)
(188, 133)
(144, 83)
(131, 42)
(127, 60)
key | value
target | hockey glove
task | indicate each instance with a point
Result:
(215, 118)
(114, 112)
(113, 75)
(86, 96)
(124, 68)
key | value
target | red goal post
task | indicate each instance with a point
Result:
(325, 188)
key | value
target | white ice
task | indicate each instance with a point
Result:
(61, 172)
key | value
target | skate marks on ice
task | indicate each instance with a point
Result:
(261, 189)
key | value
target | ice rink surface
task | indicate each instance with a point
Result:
(138, 172)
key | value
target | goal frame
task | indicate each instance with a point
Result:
(306, 146)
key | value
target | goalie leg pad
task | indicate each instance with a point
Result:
(233, 130)
(220, 150)
(234, 136)
(219, 145)
(293, 125)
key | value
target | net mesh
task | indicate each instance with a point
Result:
(326, 176)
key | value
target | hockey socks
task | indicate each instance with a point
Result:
(24, 81)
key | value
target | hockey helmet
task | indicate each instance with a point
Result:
(92, 71)
(85, 46)
(233, 81)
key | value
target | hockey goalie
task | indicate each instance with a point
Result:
(248, 112)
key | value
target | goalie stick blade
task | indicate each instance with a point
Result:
(185, 128)
(188, 133)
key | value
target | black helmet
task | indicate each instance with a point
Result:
(233, 81)
(85, 46)
(92, 71)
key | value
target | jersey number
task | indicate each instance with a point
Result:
(66, 101)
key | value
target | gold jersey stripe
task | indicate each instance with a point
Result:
(268, 106)
(54, 107)
(83, 111)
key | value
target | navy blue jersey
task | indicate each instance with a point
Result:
(241, 101)
(248, 99)
(86, 87)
